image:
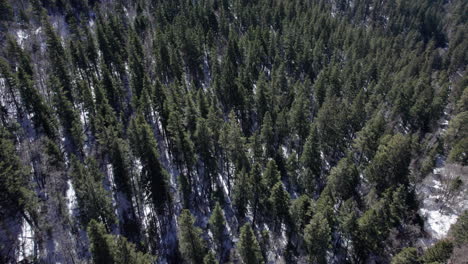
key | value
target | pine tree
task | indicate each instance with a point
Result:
(191, 245)
(43, 118)
(374, 225)
(317, 235)
(182, 145)
(271, 175)
(258, 191)
(343, 179)
(395, 151)
(121, 167)
(301, 211)
(155, 177)
(279, 202)
(101, 250)
(248, 246)
(127, 253)
(311, 162)
(236, 143)
(406, 256)
(16, 193)
(332, 128)
(94, 202)
(298, 116)
(367, 140)
(105, 121)
(439, 253)
(262, 96)
(203, 139)
(69, 117)
(217, 225)
(459, 230)
(106, 248)
(58, 60)
(267, 136)
(210, 259)
(137, 64)
(240, 195)
(347, 223)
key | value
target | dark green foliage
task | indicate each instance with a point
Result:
(343, 179)
(457, 137)
(374, 225)
(121, 166)
(59, 62)
(191, 245)
(42, 114)
(257, 190)
(248, 246)
(279, 202)
(271, 175)
(317, 235)
(154, 175)
(332, 127)
(311, 162)
(267, 136)
(313, 119)
(107, 248)
(301, 211)
(347, 221)
(209, 259)
(204, 145)
(181, 144)
(439, 253)
(43, 118)
(240, 194)
(69, 117)
(406, 256)
(390, 163)
(217, 225)
(93, 200)
(100, 248)
(367, 140)
(459, 230)
(16, 193)
(6, 10)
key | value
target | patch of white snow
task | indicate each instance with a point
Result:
(71, 197)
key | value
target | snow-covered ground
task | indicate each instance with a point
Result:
(26, 242)
(439, 205)
(71, 197)
(21, 35)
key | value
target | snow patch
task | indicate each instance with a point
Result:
(22, 35)
(71, 197)
(285, 151)
(441, 203)
(26, 242)
(438, 223)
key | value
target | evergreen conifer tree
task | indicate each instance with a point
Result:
(191, 245)
(248, 246)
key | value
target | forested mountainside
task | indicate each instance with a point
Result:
(216, 131)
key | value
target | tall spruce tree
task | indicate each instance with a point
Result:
(311, 162)
(153, 174)
(318, 238)
(191, 245)
(248, 246)
(217, 226)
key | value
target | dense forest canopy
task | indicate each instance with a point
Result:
(216, 131)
